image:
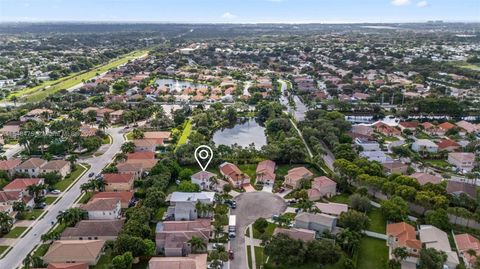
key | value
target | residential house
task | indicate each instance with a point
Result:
(265, 172)
(88, 131)
(408, 125)
(146, 155)
(467, 126)
(458, 187)
(37, 114)
(171, 237)
(192, 261)
(386, 129)
(93, 230)
(424, 178)
(234, 175)
(102, 112)
(333, 209)
(118, 182)
(424, 145)
(367, 145)
(402, 234)
(10, 166)
(67, 266)
(444, 127)
(159, 137)
(395, 167)
(11, 129)
(315, 222)
(448, 145)
(321, 187)
(116, 116)
(297, 234)
(466, 242)
(125, 197)
(435, 238)
(103, 209)
(75, 251)
(464, 161)
(295, 176)
(183, 204)
(378, 156)
(145, 145)
(7, 198)
(204, 179)
(134, 169)
(431, 129)
(56, 166)
(31, 166)
(361, 131)
(21, 184)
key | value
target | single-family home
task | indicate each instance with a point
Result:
(37, 114)
(145, 155)
(295, 176)
(402, 234)
(333, 209)
(265, 172)
(367, 145)
(116, 116)
(315, 222)
(118, 182)
(10, 166)
(103, 209)
(377, 156)
(408, 125)
(21, 184)
(424, 178)
(93, 230)
(234, 175)
(125, 197)
(75, 251)
(386, 129)
(31, 166)
(435, 238)
(395, 167)
(145, 145)
(444, 127)
(458, 187)
(321, 187)
(56, 166)
(7, 198)
(171, 237)
(183, 204)
(424, 145)
(467, 126)
(448, 145)
(64, 265)
(11, 129)
(296, 233)
(206, 180)
(159, 137)
(192, 261)
(465, 243)
(464, 161)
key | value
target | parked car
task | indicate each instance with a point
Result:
(91, 174)
(230, 254)
(232, 204)
(55, 192)
(281, 190)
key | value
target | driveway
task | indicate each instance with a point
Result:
(251, 206)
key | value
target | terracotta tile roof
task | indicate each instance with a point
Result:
(332, 208)
(405, 233)
(9, 164)
(446, 143)
(298, 173)
(192, 261)
(67, 266)
(141, 155)
(9, 196)
(266, 169)
(424, 178)
(104, 204)
(409, 124)
(446, 126)
(32, 163)
(465, 242)
(117, 178)
(145, 143)
(21, 184)
(55, 165)
(68, 250)
(157, 135)
(186, 225)
(94, 228)
(124, 196)
(463, 156)
(322, 182)
(145, 164)
(232, 171)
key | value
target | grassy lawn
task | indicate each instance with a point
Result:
(35, 94)
(372, 253)
(3, 249)
(31, 215)
(107, 140)
(187, 129)
(378, 223)
(268, 231)
(15, 232)
(85, 197)
(129, 136)
(41, 250)
(250, 170)
(342, 198)
(64, 184)
(50, 199)
(104, 261)
(158, 216)
(259, 258)
(438, 163)
(249, 256)
(462, 64)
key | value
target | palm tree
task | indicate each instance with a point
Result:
(103, 125)
(137, 134)
(35, 190)
(128, 147)
(72, 159)
(217, 230)
(197, 244)
(200, 207)
(6, 222)
(71, 216)
(85, 187)
(26, 262)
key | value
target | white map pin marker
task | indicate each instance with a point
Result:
(203, 155)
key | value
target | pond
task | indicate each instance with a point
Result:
(178, 84)
(242, 134)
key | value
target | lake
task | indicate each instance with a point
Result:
(177, 84)
(242, 134)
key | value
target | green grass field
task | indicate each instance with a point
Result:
(38, 93)
(249, 256)
(372, 253)
(15, 232)
(378, 223)
(41, 250)
(50, 200)
(3, 249)
(187, 129)
(268, 231)
(64, 184)
(259, 257)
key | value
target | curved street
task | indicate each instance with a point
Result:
(26, 244)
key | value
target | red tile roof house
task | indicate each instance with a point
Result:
(444, 127)
(136, 167)
(385, 129)
(118, 182)
(321, 187)
(448, 145)
(204, 179)
(67, 266)
(116, 116)
(234, 175)
(142, 145)
(295, 175)
(31, 166)
(103, 209)
(466, 242)
(431, 129)
(159, 137)
(424, 178)
(7, 198)
(9, 166)
(403, 234)
(21, 184)
(297, 233)
(141, 156)
(75, 251)
(408, 125)
(171, 237)
(266, 172)
(124, 196)
(467, 126)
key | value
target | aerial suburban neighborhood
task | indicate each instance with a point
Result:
(239, 145)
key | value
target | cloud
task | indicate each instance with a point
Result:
(422, 4)
(228, 15)
(401, 2)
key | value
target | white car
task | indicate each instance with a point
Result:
(55, 192)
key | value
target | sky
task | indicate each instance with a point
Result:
(241, 11)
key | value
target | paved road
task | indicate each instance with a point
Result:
(9, 153)
(251, 206)
(20, 250)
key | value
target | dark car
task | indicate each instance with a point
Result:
(91, 174)
(230, 255)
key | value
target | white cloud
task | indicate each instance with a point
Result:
(228, 15)
(401, 2)
(422, 4)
